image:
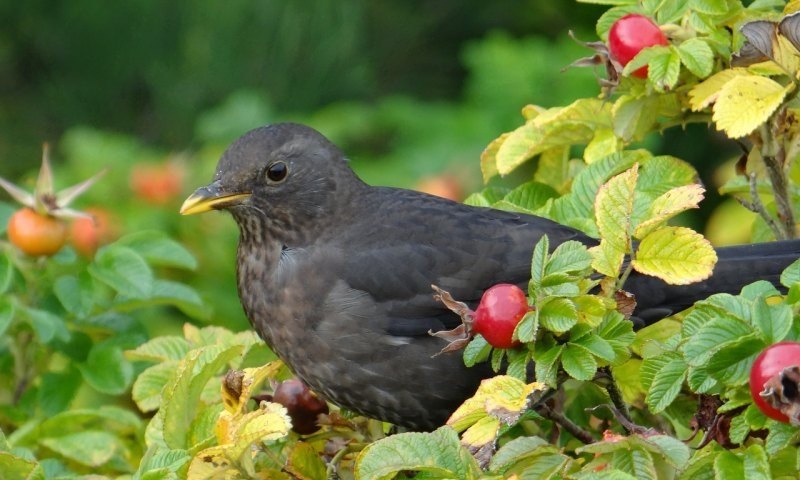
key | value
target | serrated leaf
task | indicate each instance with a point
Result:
(705, 93)
(635, 117)
(711, 336)
(538, 264)
(613, 210)
(697, 56)
(578, 362)
(57, 390)
(668, 205)
(746, 102)
(75, 297)
(546, 364)
(515, 450)
(477, 350)
(160, 349)
(560, 126)
(773, 322)
(756, 463)
(677, 255)
(791, 274)
(124, 270)
(181, 398)
(731, 362)
(526, 329)
(644, 57)
(166, 292)
(47, 325)
(147, 388)
(528, 197)
(489, 158)
(666, 385)
(597, 345)
(637, 462)
(558, 314)
(158, 249)
(663, 70)
(438, 453)
(570, 257)
(603, 144)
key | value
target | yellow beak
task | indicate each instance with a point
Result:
(209, 198)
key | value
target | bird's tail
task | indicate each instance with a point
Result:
(737, 266)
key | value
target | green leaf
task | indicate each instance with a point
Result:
(603, 144)
(728, 466)
(697, 56)
(558, 314)
(57, 390)
(73, 295)
(181, 398)
(637, 462)
(527, 328)
(538, 264)
(6, 314)
(527, 198)
(613, 209)
(6, 272)
(147, 388)
(497, 358)
(677, 255)
(674, 451)
(597, 345)
(756, 463)
(439, 454)
(158, 249)
(106, 369)
(578, 362)
(635, 117)
(476, 351)
(618, 332)
(732, 361)
(644, 57)
(166, 292)
(780, 436)
(666, 385)
(571, 257)
(711, 336)
(89, 448)
(546, 364)
(518, 364)
(124, 270)
(48, 326)
(516, 450)
(773, 322)
(791, 274)
(15, 467)
(160, 349)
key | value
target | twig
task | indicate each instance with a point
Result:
(757, 206)
(783, 202)
(567, 424)
(616, 397)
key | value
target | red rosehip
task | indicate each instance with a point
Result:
(772, 361)
(629, 35)
(502, 307)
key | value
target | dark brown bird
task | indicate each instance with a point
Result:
(335, 275)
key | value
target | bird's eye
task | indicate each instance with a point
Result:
(277, 171)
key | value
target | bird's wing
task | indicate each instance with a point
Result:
(463, 250)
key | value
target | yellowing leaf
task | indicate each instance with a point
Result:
(677, 255)
(211, 463)
(613, 207)
(529, 112)
(603, 144)
(481, 432)
(745, 102)
(668, 205)
(270, 422)
(573, 124)
(489, 157)
(501, 397)
(705, 93)
(247, 380)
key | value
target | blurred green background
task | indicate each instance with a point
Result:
(411, 90)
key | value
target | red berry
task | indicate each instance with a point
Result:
(769, 363)
(303, 406)
(502, 307)
(629, 35)
(89, 234)
(157, 184)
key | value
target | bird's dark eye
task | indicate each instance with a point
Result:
(277, 171)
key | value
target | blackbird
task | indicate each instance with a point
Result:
(335, 275)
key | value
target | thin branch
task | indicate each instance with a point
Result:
(567, 424)
(616, 397)
(757, 206)
(780, 187)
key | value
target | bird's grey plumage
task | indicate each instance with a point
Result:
(335, 275)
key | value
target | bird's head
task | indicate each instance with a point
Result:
(287, 175)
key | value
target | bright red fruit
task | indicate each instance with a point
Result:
(303, 406)
(502, 307)
(769, 363)
(629, 35)
(36, 234)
